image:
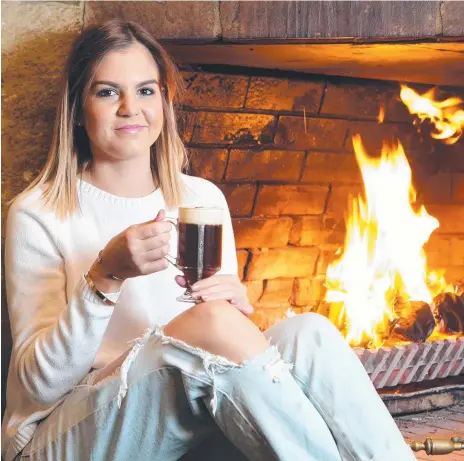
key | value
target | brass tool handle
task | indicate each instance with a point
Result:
(439, 446)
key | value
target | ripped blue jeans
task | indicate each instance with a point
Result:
(306, 398)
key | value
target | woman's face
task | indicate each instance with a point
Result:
(123, 113)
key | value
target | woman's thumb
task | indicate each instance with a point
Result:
(160, 216)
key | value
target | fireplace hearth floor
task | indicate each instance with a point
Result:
(441, 424)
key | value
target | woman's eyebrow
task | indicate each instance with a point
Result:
(116, 85)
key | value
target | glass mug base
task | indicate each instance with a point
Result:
(187, 298)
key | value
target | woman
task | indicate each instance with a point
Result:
(86, 274)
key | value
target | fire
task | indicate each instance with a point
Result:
(446, 116)
(383, 257)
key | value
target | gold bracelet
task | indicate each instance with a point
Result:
(92, 286)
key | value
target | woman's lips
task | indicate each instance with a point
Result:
(131, 129)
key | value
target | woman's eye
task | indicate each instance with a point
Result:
(147, 91)
(107, 92)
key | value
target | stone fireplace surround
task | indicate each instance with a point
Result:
(278, 144)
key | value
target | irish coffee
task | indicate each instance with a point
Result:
(200, 243)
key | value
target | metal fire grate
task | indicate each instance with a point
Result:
(416, 362)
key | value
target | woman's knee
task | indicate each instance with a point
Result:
(309, 326)
(219, 328)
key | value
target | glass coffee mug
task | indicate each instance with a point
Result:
(199, 245)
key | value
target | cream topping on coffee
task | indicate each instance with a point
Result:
(199, 216)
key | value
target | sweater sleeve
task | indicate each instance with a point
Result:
(55, 339)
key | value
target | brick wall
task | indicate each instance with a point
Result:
(280, 150)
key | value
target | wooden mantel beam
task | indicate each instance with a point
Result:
(232, 21)
(429, 63)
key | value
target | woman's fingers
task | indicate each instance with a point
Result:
(155, 266)
(219, 288)
(139, 250)
(241, 304)
(150, 229)
(160, 216)
(213, 281)
(225, 295)
(246, 308)
(153, 243)
(156, 253)
(180, 280)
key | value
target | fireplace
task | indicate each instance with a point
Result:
(280, 146)
(275, 92)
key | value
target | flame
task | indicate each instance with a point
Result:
(446, 116)
(383, 256)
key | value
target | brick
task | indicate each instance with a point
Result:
(208, 163)
(254, 290)
(457, 252)
(265, 165)
(432, 189)
(284, 94)
(396, 110)
(230, 128)
(261, 233)
(351, 100)
(457, 191)
(239, 197)
(451, 156)
(454, 274)
(333, 168)
(337, 205)
(282, 262)
(318, 134)
(204, 90)
(278, 200)
(277, 293)
(373, 136)
(308, 291)
(438, 251)
(450, 217)
(326, 258)
(186, 122)
(314, 231)
(242, 258)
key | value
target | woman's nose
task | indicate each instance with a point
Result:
(128, 106)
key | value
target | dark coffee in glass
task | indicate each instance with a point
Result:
(199, 245)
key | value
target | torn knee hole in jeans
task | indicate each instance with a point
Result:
(212, 363)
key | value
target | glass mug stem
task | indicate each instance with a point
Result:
(199, 249)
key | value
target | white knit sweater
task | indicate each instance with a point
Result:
(60, 328)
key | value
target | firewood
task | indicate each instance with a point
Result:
(450, 312)
(415, 321)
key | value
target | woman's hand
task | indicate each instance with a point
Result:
(220, 286)
(139, 250)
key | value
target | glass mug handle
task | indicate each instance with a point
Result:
(169, 258)
(187, 296)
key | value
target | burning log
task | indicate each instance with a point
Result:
(416, 321)
(450, 312)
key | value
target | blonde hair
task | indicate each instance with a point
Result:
(70, 152)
